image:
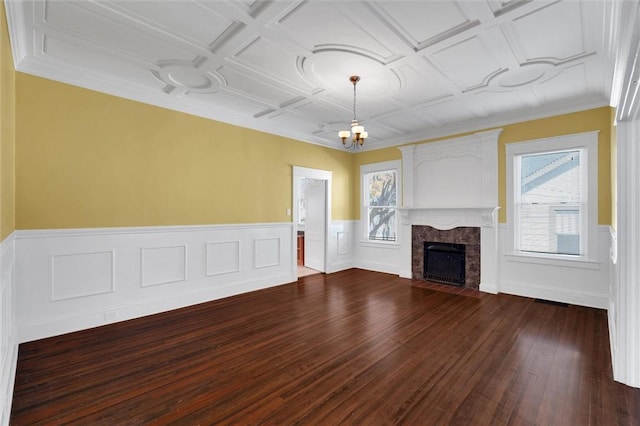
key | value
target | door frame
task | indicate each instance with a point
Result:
(325, 175)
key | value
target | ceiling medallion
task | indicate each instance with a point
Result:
(357, 133)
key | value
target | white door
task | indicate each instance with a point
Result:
(314, 226)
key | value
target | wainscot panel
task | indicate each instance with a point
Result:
(70, 280)
(577, 283)
(340, 245)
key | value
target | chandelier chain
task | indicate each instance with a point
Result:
(354, 101)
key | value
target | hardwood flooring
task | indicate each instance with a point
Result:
(355, 347)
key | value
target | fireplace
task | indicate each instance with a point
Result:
(444, 263)
(451, 187)
(457, 249)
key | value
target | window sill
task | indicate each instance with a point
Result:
(380, 244)
(562, 261)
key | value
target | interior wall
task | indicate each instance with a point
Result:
(86, 159)
(8, 323)
(7, 133)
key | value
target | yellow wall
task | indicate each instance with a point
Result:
(86, 159)
(584, 121)
(7, 131)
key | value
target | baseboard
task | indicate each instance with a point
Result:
(9, 378)
(52, 326)
(339, 266)
(600, 301)
(377, 267)
(613, 342)
(406, 274)
(489, 288)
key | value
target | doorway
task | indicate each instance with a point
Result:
(311, 217)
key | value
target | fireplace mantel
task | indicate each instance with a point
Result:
(449, 184)
(446, 218)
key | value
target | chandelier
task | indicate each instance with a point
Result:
(357, 135)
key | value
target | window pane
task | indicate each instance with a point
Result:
(381, 203)
(550, 210)
(550, 229)
(382, 223)
(382, 188)
(551, 177)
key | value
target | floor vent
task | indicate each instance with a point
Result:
(551, 302)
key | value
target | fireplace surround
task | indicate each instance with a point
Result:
(449, 186)
(467, 237)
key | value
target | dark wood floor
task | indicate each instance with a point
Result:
(354, 347)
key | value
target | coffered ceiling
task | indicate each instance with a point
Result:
(428, 68)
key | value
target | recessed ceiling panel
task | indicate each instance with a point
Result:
(244, 85)
(406, 122)
(567, 84)
(554, 32)
(502, 102)
(267, 58)
(421, 86)
(448, 111)
(76, 20)
(85, 58)
(425, 22)
(468, 64)
(187, 19)
(320, 26)
(324, 113)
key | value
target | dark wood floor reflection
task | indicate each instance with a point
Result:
(354, 347)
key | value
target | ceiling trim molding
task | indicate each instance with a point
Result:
(625, 49)
(19, 37)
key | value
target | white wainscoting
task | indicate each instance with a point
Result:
(70, 280)
(341, 245)
(378, 256)
(569, 283)
(8, 329)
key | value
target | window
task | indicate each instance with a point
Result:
(380, 183)
(552, 195)
(549, 202)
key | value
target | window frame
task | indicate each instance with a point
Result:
(587, 144)
(364, 206)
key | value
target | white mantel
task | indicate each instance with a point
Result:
(446, 218)
(453, 183)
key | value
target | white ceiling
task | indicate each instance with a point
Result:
(428, 68)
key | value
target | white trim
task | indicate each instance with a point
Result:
(8, 327)
(588, 143)
(624, 316)
(83, 232)
(327, 176)
(552, 260)
(372, 168)
(585, 298)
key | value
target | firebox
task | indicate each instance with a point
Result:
(444, 262)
